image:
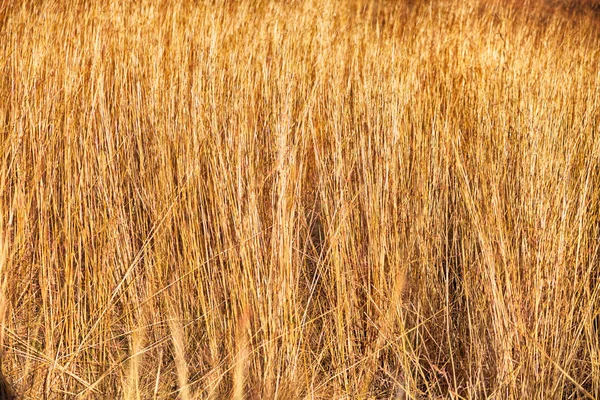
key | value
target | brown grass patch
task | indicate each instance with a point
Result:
(300, 199)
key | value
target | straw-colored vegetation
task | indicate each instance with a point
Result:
(308, 199)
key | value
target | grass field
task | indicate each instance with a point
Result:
(300, 199)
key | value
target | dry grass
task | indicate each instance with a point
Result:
(264, 199)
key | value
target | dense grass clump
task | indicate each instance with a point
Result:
(273, 199)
